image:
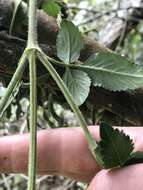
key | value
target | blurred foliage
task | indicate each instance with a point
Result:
(112, 23)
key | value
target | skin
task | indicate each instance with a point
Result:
(65, 151)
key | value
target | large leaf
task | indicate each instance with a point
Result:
(113, 72)
(78, 84)
(115, 147)
(69, 42)
(51, 8)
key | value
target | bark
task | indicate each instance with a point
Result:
(127, 105)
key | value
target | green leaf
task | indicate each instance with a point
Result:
(135, 158)
(115, 147)
(78, 84)
(113, 72)
(51, 8)
(69, 42)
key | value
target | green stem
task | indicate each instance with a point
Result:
(60, 63)
(65, 91)
(32, 24)
(32, 46)
(16, 77)
(33, 122)
(16, 6)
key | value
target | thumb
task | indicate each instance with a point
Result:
(127, 178)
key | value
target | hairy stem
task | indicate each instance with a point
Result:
(33, 121)
(16, 77)
(43, 58)
(32, 24)
(32, 46)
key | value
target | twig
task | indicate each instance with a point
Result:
(106, 13)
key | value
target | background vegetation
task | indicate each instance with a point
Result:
(116, 24)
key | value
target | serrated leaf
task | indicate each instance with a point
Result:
(69, 42)
(115, 147)
(135, 158)
(51, 8)
(113, 72)
(78, 84)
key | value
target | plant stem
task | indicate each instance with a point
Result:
(32, 24)
(33, 122)
(16, 77)
(32, 46)
(65, 91)
(16, 6)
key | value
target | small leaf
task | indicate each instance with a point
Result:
(113, 72)
(115, 147)
(78, 84)
(69, 42)
(135, 158)
(51, 8)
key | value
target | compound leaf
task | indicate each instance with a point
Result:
(69, 42)
(78, 84)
